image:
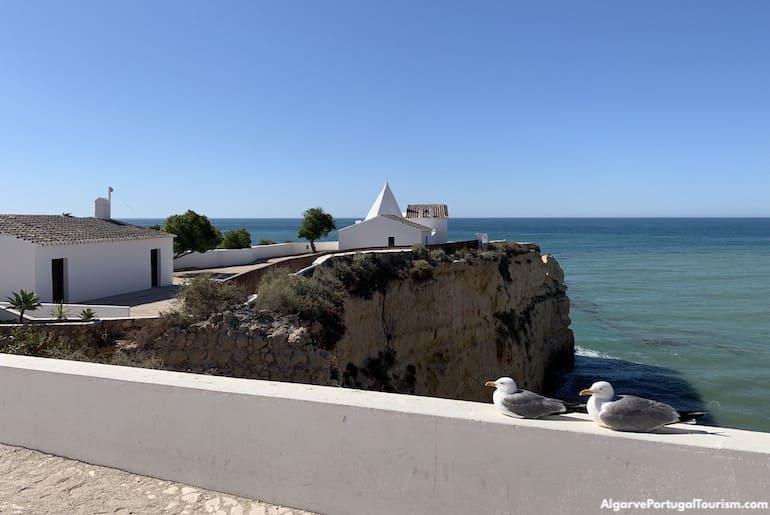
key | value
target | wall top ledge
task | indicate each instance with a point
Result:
(678, 434)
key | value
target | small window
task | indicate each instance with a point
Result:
(426, 213)
(391, 241)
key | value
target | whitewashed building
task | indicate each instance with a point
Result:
(386, 226)
(435, 216)
(72, 259)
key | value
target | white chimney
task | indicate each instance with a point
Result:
(102, 206)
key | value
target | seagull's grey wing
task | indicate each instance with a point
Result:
(630, 413)
(531, 405)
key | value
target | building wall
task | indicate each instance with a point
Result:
(235, 257)
(439, 224)
(375, 233)
(344, 451)
(17, 270)
(102, 269)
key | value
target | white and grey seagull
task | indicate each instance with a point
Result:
(515, 402)
(631, 413)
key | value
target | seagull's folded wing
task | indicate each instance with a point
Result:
(531, 405)
(630, 413)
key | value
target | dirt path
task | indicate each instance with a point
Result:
(35, 483)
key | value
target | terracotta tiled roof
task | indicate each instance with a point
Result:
(434, 211)
(408, 222)
(71, 230)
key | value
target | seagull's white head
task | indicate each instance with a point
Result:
(504, 384)
(602, 390)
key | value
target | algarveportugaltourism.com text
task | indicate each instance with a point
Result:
(693, 504)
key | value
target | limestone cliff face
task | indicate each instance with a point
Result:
(473, 321)
(478, 318)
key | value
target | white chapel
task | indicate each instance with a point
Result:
(386, 226)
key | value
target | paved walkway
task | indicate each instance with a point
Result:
(35, 483)
(150, 303)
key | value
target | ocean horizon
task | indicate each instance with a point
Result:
(675, 309)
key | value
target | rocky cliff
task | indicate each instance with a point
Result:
(475, 320)
(478, 317)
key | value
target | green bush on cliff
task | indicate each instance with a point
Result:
(31, 341)
(466, 255)
(204, 296)
(420, 251)
(308, 297)
(361, 275)
(314, 299)
(421, 270)
(439, 256)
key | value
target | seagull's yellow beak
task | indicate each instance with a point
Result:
(490, 383)
(587, 391)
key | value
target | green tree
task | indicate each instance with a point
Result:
(315, 224)
(24, 301)
(156, 227)
(238, 239)
(194, 233)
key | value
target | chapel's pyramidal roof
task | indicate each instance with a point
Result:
(384, 205)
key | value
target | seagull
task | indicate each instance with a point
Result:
(514, 402)
(630, 413)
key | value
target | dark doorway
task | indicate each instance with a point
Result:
(57, 280)
(391, 241)
(154, 269)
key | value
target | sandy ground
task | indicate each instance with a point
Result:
(35, 483)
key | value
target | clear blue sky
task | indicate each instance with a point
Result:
(263, 109)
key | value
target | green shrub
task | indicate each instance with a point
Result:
(308, 297)
(59, 312)
(489, 255)
(237, 239)
(466, 254)
(266, 242)
(439, 256)
(23, 340)
(204, 296)
(420, 251)
(341, 268)
(135, 358)
(421, 270)
(314, 299)
(87, 314)
(368, 275)
(30, 341)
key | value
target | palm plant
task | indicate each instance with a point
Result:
(24, 301)
(59, 312)
(87, 314)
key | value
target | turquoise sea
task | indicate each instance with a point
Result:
(673, 309)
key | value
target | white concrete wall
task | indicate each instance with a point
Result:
(103, 269)
(341, 451)
(17, 266)
(72, 311)
(439, 224)
(375, 233)
(234, 257)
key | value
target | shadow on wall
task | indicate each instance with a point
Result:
(653, 382)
